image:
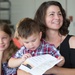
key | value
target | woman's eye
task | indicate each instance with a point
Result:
(51, 14)
(60, 14)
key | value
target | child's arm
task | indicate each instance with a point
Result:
(61, 63)
(16, 62)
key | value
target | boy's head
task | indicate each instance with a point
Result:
(29, 33)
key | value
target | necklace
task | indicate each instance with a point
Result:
(57, 43)
(60, 44)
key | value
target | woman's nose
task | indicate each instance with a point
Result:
(57, 16)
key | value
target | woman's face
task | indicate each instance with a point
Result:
(4, 40)
(53, 18)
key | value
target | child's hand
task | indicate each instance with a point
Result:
(60, 57)
(62, 61)
(25, 56)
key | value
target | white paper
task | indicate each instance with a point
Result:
(39, 64)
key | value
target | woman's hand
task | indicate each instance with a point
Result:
(61, 63)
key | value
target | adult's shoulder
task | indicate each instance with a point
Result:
(72, 41)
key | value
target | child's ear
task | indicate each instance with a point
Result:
(40, 35)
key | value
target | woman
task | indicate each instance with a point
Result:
(52, 17)
(7, 49)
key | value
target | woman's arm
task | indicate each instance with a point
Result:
(72, 42)
(55, 70)
(21, 72)
(61, 71)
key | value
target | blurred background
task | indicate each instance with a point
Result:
(11, 11)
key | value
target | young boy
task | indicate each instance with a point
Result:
(30, 34)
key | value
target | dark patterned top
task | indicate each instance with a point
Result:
(8, 71)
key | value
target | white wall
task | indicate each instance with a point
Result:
(21, 9)
(72, 28)
(71, 12)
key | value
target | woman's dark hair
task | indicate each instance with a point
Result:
(41, 13)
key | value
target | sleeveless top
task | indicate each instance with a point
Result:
(68, 53)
